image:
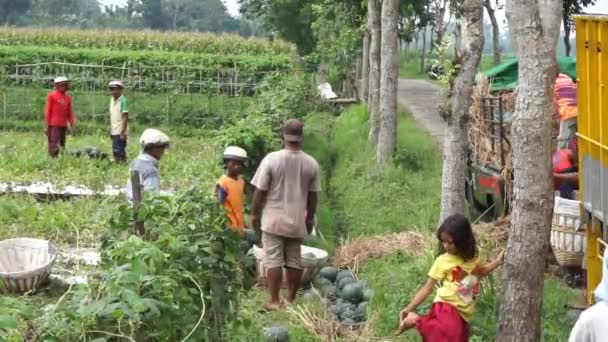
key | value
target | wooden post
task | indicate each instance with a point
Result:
(137, 194)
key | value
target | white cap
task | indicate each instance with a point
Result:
(235, 152)
(61, 79)
(116, 84)
(153, 136)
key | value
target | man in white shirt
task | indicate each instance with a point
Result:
(592, 325)
(119, 120)
(287, 183)
(154, 143)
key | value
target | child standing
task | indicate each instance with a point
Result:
(458, 271)
(230, 188)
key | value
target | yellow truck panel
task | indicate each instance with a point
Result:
(592, 93)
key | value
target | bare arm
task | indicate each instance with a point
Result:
(484, 270)
(258, 202)
(419, 298)
(125, 123)
(311, 209)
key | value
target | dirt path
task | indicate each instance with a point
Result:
(422, 99)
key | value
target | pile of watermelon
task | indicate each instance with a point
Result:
(348, 297)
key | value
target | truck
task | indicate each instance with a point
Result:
(592, 93)
(488, 180)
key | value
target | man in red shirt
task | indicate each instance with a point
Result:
(58, 113)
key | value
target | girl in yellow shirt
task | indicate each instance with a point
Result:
(458, 271)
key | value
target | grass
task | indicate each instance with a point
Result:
(394, 198)
(189, 161)
(409, 66)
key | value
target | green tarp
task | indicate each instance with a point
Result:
(504, 76)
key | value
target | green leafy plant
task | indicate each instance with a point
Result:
(181, 279)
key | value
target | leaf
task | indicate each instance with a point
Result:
(8, 322)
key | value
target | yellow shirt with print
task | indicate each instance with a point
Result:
(459, 287)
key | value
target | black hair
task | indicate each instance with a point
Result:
(459, 229)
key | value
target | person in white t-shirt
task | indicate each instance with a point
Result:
(287, 183)
(592, 325)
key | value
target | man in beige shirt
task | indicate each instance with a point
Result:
(287, 183)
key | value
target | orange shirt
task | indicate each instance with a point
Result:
(231, 193)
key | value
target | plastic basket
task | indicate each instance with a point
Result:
(311, 266)
(25, 263)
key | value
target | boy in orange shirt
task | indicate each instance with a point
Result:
(230, 188)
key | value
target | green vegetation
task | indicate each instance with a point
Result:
(190, 161)
(13, 55)
(409, 67)
(398, 197)
(154, 41)
(161, 108)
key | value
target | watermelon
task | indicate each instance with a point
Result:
(349, 314)
(348, 321)
(353, 292)
(344, 281)
(244, 246)
(321, 282)
(344, 274)
(368, 294)
(362, 311)
(329, 273)
(276, 334)
(329, 291)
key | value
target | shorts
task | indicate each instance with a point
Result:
(443, 323)
(119, 147)
(282, 251)
(56, 139)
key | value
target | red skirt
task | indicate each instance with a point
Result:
(443, 324)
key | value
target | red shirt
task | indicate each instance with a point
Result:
(59, 110)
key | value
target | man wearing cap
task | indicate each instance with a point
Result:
(153, 143)
(119, 120)
(287, 183)
(58, 114)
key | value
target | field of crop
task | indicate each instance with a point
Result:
(204, 43)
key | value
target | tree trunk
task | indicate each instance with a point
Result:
(387, 136)
(495, 31)
(440, 9)
(365, 68)
(454, 149)
(535, 27)
(423, 49)
(374, 24)
(567, 30)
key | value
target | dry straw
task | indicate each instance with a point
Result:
(484, 133)
(352, 255)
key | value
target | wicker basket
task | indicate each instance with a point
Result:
(25, 263)
(567, 240)
(311, 266)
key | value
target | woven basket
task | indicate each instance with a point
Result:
(567, 241)
(25, 263)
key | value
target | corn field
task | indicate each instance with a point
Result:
(204, 43)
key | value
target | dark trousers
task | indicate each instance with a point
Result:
(56, 139)
(119, 147)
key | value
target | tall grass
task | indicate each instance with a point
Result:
(397, 197)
